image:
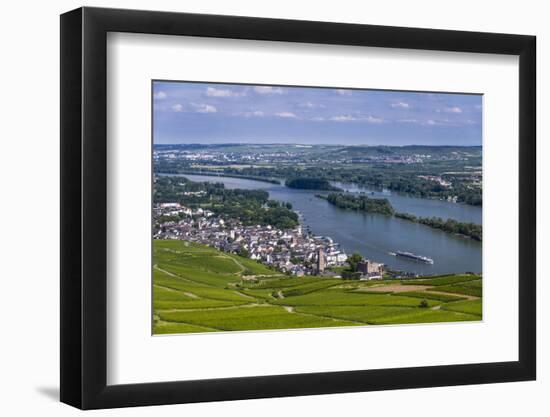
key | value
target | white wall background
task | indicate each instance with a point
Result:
(29, 291)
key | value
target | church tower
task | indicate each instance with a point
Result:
(321, 260)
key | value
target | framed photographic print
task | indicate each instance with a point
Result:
(257, 208)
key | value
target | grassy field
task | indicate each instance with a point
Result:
(200, 289)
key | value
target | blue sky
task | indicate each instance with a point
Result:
(187, 112)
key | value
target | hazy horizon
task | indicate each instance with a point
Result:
(309, 144)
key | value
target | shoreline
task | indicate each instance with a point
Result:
(282, 181)
(211, 174)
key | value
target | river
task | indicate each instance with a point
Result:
(421, 206)
(375, 235)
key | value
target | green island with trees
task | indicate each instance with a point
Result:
(361, 202)
(310, 184)
(471, 230)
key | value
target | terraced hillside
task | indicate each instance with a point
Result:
(200, 289)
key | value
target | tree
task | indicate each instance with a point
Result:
(351, 275)
(353, 261)
(423, 304)
(243, 252)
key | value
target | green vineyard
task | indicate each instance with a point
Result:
(200, 289)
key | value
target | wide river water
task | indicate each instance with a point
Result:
(375, 235)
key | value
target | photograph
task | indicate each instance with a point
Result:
(286, 207)
(255, 206)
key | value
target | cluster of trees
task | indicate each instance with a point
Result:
(352, 271)
(380, 177)
(468, 195)
(360, 165)
(360, 203)
(472, 230)
(382, 206)
(415, 186)
(253, 207)
(422, 188)
(248, 206)
(310, 184)
(171, 189)
(403, 178)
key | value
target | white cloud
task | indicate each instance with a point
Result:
(343, 92)
(160, 95)
(442, 122)
(286, 114)
(400, 105)
(343, 118)
(256, 113)
(351, 118)
(178, 108)
(431, 122)
(372, 119)
(217, 92)
(318, 119)
(454, 109)
(310, 105)
(262, 89)
(204, 108)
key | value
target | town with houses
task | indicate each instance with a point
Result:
(266, 155)
(295, 252)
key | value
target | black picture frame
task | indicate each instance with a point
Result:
(84, 207)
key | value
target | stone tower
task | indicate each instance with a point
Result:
(321, 260)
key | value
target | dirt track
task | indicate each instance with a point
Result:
(467, 297)
(396, 288)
